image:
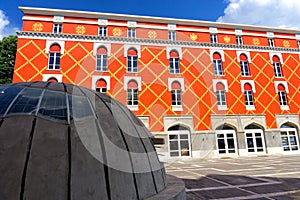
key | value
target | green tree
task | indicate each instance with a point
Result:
(8, 48)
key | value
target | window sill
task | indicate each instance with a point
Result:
(250, 107)
(131, 72)
(177, 108)
(286, 107)
(222, 107)
(57, 70)
(133, 107)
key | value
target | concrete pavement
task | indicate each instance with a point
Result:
(268, 177)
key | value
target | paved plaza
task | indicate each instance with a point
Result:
(267, 177)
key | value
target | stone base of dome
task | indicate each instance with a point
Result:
(175, 190)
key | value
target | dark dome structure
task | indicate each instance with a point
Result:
(60, 141)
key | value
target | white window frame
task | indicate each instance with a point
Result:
(177, 102)
(57, 28)
(178, 134)
(101, 62)
(277, 70)
(254, 139)
(56, 58)
(102, 90)
(221, 99)
(131, 32)
(174, 66)
(102, 31)
(271, 42)
(225, 133)
(288, 130)
(172, 35)
(213, 38)
(245, 71)
(218, 68)
(130, 96)
(239, 40)
(283, 101)
(132, 64)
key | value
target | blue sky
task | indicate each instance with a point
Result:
(276, 13)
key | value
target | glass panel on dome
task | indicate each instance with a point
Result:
(6, 97)
(54, 105)
(80, 107)
(27, 101)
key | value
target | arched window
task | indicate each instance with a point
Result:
(174, 63)
(54, 57)
(282, 95)
(217, 61)
(101, 86)
(221, 95)
(277, 67)
(132, 93)
(176, 95)
(244, 65)
(101, 59)
(132, 61)
(289, 138)
(248, 93)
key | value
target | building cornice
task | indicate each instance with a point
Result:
(152, 42)
(159, 20)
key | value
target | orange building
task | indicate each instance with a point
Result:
(206, 89)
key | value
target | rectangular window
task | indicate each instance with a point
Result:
(176, 97)
(249, 97)
(221, 97)
(213, 38)
(298, 43)
(102, 31)
(57, 28)
(277, 70)
(218, 71)
(282, 98)
(132, 96)
(54, 61)
(132, 64)
(131, 33)
(271, 42)
(102, 90)
(245, 68)
(239, 40)
(101, 62)
(174, 66)
(172, 35)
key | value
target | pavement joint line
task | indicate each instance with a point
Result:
(256, 196)
(231, 186)
(277, 174)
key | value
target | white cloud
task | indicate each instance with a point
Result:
(274, 13)
(5, 29)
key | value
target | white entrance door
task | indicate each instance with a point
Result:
(226, 142)
(179, 143)
(255, 141)
(289, 139)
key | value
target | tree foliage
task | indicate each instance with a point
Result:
(8, 48)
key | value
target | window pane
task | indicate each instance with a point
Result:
(80, 107)
(27, 101)
(53, 105)
(7, 96)
(174, 145)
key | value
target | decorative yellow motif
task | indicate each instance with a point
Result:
(256, 41)
(37, 27)
(152, 34)
(117, 32)
(227, 39)
(286, 43)
(193, 36)
(80, 29)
